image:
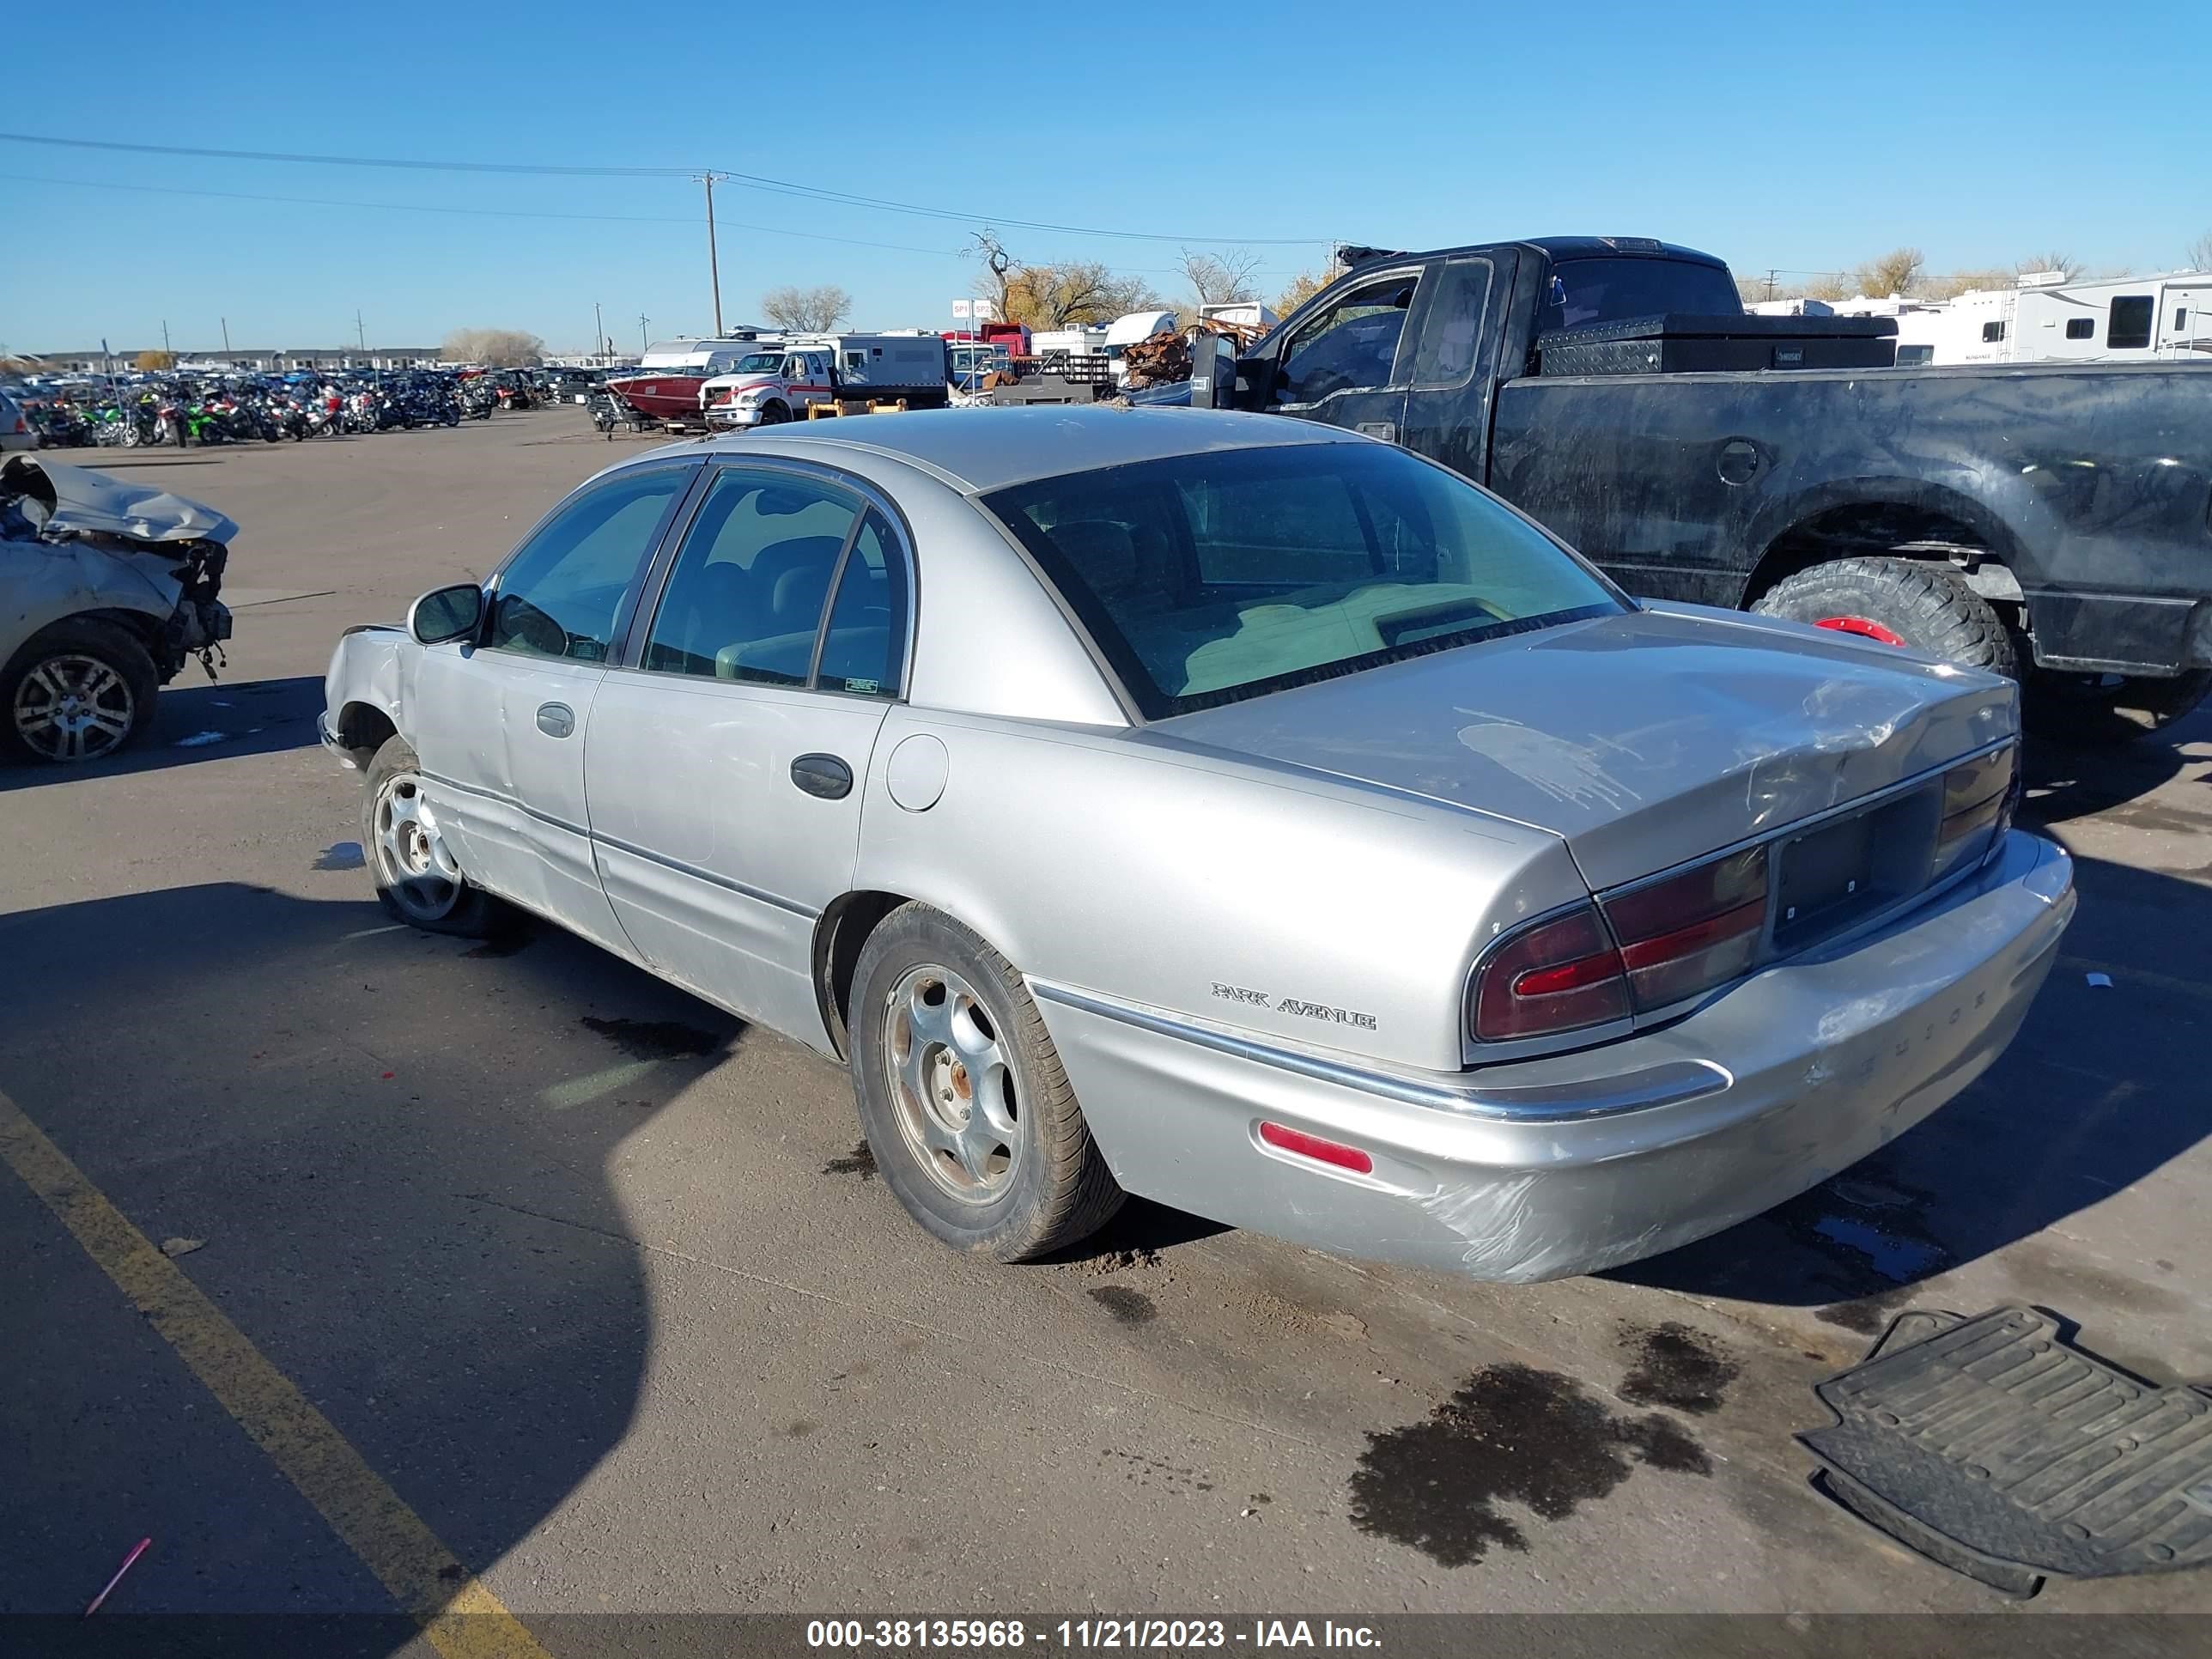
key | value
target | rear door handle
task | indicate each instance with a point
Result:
(555, 720)
(1386, 430)
(824, 777)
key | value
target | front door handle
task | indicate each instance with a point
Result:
(822, 775)
(555, 720)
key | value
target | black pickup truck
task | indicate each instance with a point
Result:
(2047, 517)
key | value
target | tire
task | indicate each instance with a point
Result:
(2097, 709)
(78, 690)
(1901, 602)
(1047, 1186)
(773, 414)
(417, 879)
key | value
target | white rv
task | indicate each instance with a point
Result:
(2045, 319)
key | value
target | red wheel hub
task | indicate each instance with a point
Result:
(1864, 627)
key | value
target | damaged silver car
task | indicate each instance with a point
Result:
(106, 589)
(1243, 814)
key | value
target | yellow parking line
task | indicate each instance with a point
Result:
(460, 1617)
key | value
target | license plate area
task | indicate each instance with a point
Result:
(1831, 878)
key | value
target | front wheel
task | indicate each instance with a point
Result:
(962, 1100)
(1926, 607)
(418, 880)
(77, 690)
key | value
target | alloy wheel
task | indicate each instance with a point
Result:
(74, 708)
(412, 861)
(953, 1088)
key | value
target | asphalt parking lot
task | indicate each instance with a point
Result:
(599, 1286)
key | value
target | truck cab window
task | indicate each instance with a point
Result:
(1353, 345)
(1587, 292)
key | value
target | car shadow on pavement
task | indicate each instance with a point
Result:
(385, 1158)
(2099, 1090)
(201, 721)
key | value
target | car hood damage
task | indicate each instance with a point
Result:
(70, 501)
(1644, 740)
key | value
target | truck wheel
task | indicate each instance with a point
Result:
(2108, 708)
(77, 690)
(1898, 602)
(972, 1122)
(417, 879)
(773, 414)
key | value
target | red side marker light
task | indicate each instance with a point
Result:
(1301, 1145)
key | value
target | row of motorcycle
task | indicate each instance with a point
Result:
(185, 415)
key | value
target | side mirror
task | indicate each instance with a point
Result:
(445, 614)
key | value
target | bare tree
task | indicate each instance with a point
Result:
(1953, 283)
(1894, 273)
(2065, 262)
(498, 348)
(1220, 279)
(2199, 253)
(997, 278)
(153, 359)
(807, 310)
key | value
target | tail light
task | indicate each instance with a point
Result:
(1650, 948)
(1978, 798)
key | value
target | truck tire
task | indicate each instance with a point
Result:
(1926, 607)
(773, 414)
(962, 1100)
(77, 690)
(2097, 709)
(417, 879)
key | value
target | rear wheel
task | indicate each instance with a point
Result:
(1901, 602)
(418, 880)
(961, 1097)
(77, 690)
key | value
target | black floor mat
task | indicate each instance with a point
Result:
(1997, 1450)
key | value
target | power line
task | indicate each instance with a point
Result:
(750, 180)
(472, 213)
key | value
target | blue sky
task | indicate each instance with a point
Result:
(1801, 137)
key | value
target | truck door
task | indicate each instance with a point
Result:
(1346, 361)
(1453, 363)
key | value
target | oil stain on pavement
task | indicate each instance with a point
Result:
(1511, 1434)
(1676, 1366)
(656, 1039)
(1129, 1307)
(860, 1161)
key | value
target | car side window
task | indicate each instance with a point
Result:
(1352, 345)
(745, 598)
(864, 648)
(561, 593)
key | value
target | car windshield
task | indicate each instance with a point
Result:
(1207, 578)
(761, 362)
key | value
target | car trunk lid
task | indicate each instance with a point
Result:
(1645, 739)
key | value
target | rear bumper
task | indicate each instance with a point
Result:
(1543, 1169)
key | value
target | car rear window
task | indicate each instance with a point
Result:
(1207, 578)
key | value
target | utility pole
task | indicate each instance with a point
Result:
(642, 319)
(714, 262)
(166, 352)
(1771, 276)
(599, 334)
(226, 337)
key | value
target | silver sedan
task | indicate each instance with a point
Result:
(1248, 816)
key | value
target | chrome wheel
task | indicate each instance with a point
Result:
(952, 1087)
(74, 708)
(412, 862)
